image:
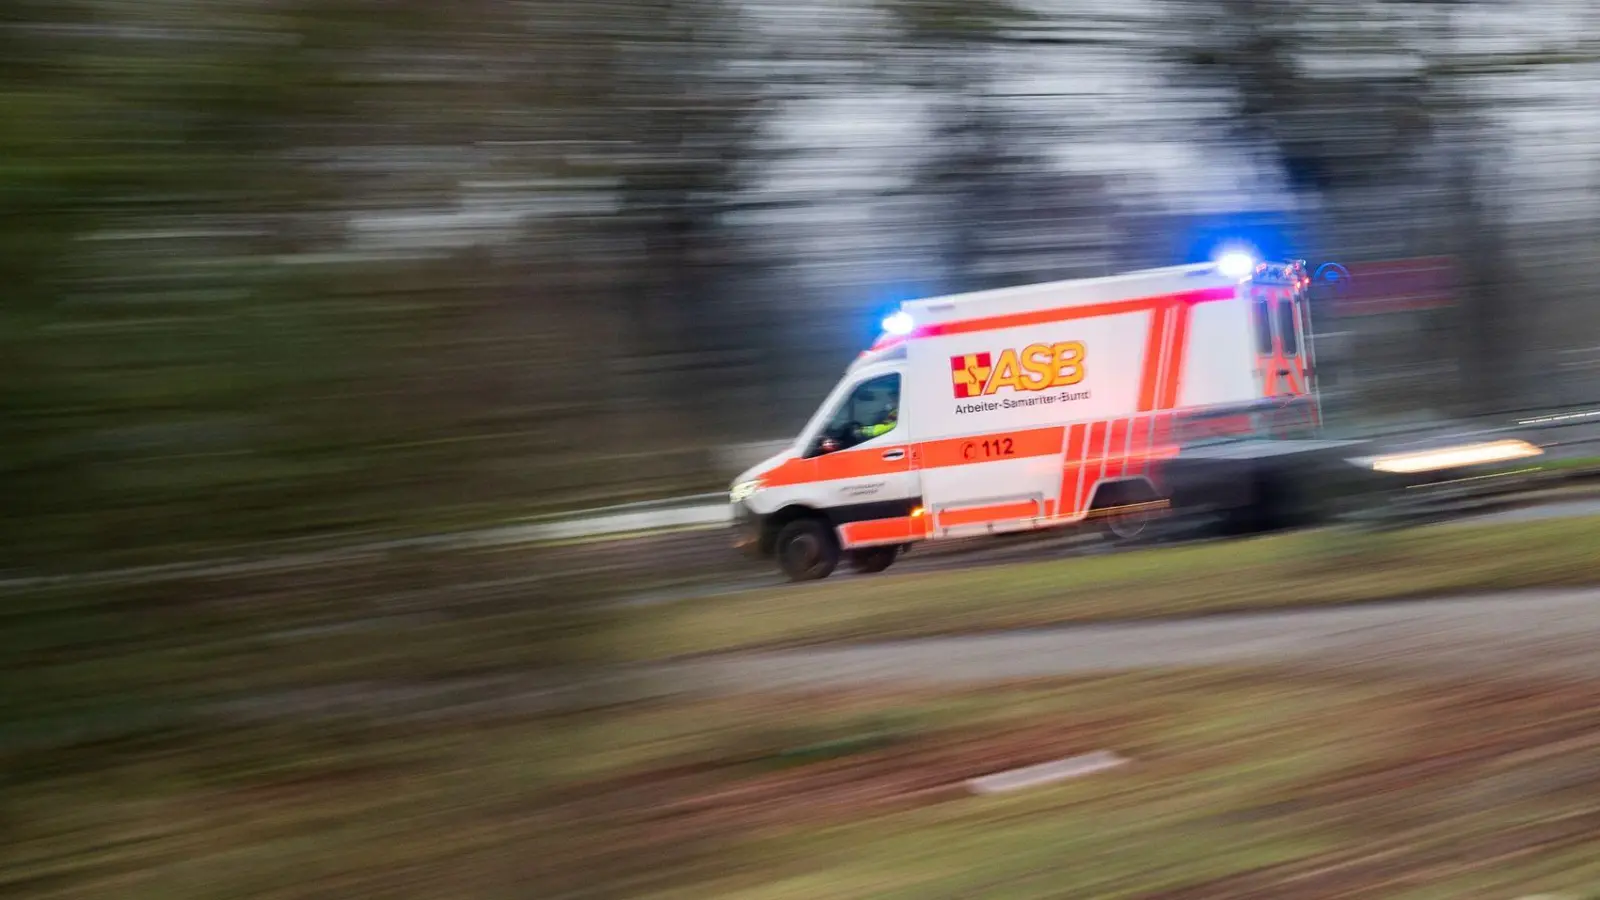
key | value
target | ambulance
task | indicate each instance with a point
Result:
(1040, 406)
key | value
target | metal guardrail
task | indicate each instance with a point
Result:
(628, 508)
(711, 510)
(699, 511)
(696, 511)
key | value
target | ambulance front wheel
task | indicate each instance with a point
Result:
(807, 550)
(874, 560)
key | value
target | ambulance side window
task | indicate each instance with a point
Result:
(1263, 323)
(869, 411)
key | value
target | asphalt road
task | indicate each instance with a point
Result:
(1549, 633)
(1567, 509)
(1540, 634)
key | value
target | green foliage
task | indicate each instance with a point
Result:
(145, 320)
(194, 350)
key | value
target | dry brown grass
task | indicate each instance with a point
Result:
(1244, 784)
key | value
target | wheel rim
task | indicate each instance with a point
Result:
(803, 553)
(1129, 526)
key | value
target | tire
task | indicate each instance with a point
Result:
(874, 560)
(1128, 527)
(807, 550)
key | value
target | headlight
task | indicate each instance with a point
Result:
(1453, 457)
(744, 490)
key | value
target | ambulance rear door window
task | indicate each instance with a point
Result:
(1286, 329)
(1263, 317)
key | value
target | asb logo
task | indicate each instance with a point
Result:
(1038, 367)
(970, 373)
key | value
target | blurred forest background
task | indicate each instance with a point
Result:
(314, 266)
(283, 273)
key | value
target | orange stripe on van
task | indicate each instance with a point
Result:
(899, 530)
(835, 466)
(1093, 462)
(997, 447)
(983, 515)
(862, 463)
(1150, 379)
(1117, 452)
(1168, 396)
(1138, 445)
(1071, 465)
(1103, 449)
(1065, 314)
(842, 465)
(1167, 429)
(791, 471)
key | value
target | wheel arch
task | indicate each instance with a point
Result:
(774, 523)
(1110, 493)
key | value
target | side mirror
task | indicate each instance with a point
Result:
(828, 445)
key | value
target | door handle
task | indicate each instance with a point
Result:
(893, 455)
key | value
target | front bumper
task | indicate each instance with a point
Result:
(746, 530)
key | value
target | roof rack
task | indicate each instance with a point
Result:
(1289, 272)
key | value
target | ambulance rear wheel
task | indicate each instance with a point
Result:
(1125, 509)
(807, 550)
(873, 561)
(1127, 527)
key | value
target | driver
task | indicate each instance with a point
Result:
(885, 423)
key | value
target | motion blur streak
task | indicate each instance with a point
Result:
(1452, 457)
(283, 278)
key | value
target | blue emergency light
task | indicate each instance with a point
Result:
(1236, 264)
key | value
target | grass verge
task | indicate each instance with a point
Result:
(1302, 569)
(1244, 784)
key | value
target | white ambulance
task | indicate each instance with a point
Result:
(1032, 407)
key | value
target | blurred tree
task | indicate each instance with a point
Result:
(265, 266)
(1005, 213)
(180, 365)
(1355, 114)
(689, 111)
